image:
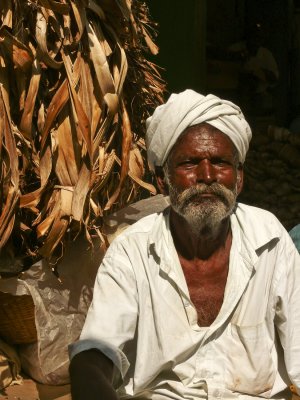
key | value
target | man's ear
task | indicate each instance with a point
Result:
(161, 182)
(240, 178)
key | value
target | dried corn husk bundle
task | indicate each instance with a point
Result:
(75, 90)
(272, 174)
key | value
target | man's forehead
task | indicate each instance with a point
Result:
(205, 130)
(206, 133)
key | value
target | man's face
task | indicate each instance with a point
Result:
(203, 177)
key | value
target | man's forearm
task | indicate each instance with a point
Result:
(91, 376)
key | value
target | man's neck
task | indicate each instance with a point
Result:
(202, 245)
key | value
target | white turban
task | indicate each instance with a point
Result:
(190, 108)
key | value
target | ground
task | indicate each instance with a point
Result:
(34, 391)
(31, 390)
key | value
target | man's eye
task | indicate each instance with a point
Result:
(220, 161)
(187, 163)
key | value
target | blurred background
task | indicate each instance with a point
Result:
(194, 40)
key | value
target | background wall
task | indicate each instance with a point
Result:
(186, 30)
(181, 39)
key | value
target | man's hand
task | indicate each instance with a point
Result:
(91, 376)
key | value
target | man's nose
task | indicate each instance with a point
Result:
(206, 172)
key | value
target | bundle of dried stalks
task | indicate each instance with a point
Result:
(75, 89)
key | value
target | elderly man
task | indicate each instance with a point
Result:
(202, 300)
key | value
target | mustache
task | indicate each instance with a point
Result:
(216, 189)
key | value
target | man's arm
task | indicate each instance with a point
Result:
(110, 323)
(91, 376)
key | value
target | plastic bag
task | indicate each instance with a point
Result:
(60, 309)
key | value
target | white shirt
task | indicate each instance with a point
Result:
(142, 317)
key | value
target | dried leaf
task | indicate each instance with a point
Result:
(26, 121)
(126, 144)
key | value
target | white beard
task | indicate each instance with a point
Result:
(203, 213)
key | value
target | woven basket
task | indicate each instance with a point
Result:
(17, 321)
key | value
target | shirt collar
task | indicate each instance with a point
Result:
(160, 237)
(252, 229)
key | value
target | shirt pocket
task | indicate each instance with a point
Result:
(249, 365)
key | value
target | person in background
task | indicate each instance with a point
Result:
(295, 235)
(201, 300)
(259, 72)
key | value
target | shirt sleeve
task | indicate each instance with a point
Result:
(288, 309)
(112, 317)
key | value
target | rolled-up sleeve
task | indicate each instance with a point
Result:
(112, 317)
